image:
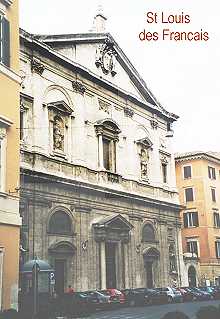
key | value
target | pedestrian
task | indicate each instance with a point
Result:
(70, 290)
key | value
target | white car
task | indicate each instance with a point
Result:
(173, 294)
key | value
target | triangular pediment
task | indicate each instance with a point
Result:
(99, 58)
(61, 107)
(100, 54)
(114, 222)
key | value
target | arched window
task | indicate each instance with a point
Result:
(60, 223)
(148, 233)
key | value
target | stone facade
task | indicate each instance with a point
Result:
(99, 198)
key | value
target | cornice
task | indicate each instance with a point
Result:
(196, 156)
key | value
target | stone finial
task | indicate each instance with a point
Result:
(99, 21)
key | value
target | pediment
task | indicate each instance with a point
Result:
(60, 107)
(62, 247)
(100, 55)
(114, 222)
(145, 142)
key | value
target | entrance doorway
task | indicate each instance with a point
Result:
(192, 276)
(149, 274)
(60, 265)
(110, 253)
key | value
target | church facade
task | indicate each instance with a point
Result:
(98, 191)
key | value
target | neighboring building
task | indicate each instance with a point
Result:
(198, 181)
(99, 198)
(9, 153)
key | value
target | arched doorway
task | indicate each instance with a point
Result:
(192, 276)
(151, 257)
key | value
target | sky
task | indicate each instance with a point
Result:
(183, 75)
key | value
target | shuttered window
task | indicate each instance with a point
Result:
(217, 249)
(211, 172)
(191, 219)
(187, 172)
(189, 194)
(213, 194)
(216, 219)
(4, 41)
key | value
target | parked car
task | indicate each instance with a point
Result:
(173, 294)
(116, 296)
(144, 296)
(209, 290)
(201, 295)
(186, 294)
(96, 299)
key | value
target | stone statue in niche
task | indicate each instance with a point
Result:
(58, 134)
(144, 159)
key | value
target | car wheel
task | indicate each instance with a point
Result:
(170, 299)
(132, 303)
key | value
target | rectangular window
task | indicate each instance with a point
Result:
(217, 249)
(211, 172)
(164, 172)
(192, 247)
(106, 154)
(4, 41)
(191, 219)
(187, 171)
(189, 194)
(213, 194)
(216, 219)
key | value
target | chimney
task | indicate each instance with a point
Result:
(99, 21)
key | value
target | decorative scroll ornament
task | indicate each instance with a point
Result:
(37, 67)
(104, 106)
(128, 112)
(106, 58)
(78, 87)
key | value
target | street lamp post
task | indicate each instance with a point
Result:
(35, 271)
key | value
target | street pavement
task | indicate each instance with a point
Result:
(153, 312)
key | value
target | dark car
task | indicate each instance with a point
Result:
(97, 299)
(201, 295)
(71, 304)
(143, 296)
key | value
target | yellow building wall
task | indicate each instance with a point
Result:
(11, 264)
(206, 232)
(9, 202)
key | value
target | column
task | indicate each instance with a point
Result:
(182, 271)
(103, 265)
(126, 268)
